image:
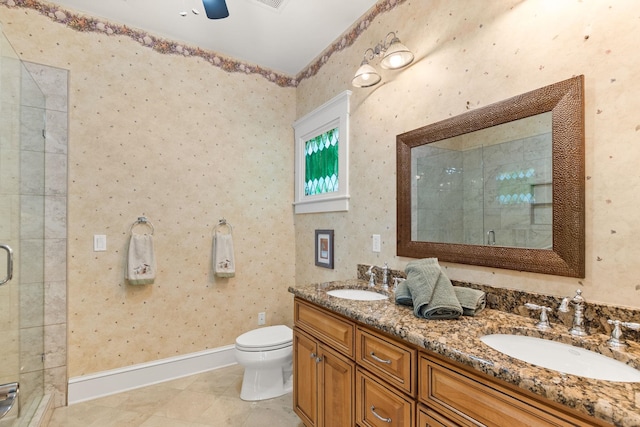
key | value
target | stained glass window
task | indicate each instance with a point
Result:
(515, 187)
(321, 163)
(322, 158)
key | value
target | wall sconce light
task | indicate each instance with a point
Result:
(394, 55)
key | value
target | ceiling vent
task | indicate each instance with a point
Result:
(275, 5)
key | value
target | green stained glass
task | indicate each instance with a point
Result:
(515, 187)
(321, 163)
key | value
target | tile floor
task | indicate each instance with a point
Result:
(204, 400)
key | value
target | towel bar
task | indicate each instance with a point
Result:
(223, 223)
(143, 221)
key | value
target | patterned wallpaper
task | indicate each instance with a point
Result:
(471, 54)
(185, 144)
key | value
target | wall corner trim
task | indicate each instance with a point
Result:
(105, 383)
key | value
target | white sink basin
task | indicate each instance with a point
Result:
(562, 357)
(357, 294)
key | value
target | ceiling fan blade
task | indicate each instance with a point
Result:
(215, 9)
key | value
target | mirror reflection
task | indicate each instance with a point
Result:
(489, 187)
(498, 186)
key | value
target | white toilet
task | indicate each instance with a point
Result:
(266, 354)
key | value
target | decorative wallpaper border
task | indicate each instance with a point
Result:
(88, 24)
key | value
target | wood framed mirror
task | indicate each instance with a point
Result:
(563, 254)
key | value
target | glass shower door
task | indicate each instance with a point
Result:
(22, 144)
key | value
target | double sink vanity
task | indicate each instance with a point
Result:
(361, 360)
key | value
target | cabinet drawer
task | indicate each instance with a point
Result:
(430, 418)
(472, 401)
(378, 405)
(391, 360)
(332, 330)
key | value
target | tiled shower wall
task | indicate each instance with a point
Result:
(54, 84)
(464, 194)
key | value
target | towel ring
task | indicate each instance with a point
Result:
(223, 223)
(142, 220)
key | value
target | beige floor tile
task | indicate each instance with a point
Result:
(226, 411)
(156, 421)
(86, 415)
(210, 399)
(186, 405)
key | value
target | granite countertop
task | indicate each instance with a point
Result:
(459, 340)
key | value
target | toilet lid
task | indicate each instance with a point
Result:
(269, 338)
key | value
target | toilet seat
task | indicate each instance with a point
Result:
(265, 339)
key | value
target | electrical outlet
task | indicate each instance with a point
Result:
(376, 243)
(262, 318)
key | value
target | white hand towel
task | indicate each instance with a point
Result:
(224, 264)
(141, 260)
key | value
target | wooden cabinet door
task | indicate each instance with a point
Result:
(305, 378)
(336, 389)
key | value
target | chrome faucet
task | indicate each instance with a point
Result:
(543, 323)
(385, 276)
(372, 277)
(578, 313)
(396, 282)
(616, 340)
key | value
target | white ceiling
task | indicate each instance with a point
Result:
(285, 40)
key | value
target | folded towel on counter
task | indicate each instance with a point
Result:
(403, 294)
(472, 301)
(224, 264)
(431, 290)
(141, 260)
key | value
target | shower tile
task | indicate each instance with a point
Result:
(31, 305)
(32, 126)
(56, 174)
(31, 261)
(55, 346)
(54, 83)
(30, 383)
(9, 209)
(32, 177)
(31, 349)
(9, 362)
(57, 132)
(55, 260)
(11, 70)
(55, 309)
(10, 125)
(55, 222)
(9, 171)
(31, 217)
(56, 385)
(30, 93)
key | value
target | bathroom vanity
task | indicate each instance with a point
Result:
(373, 363)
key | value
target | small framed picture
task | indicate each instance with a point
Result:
(324, 248)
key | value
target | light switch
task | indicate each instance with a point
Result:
(376, 243)
(99, 243)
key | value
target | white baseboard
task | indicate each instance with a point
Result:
(105, 383)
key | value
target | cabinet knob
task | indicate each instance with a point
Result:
(318, 359)
(313, 355)
(373, 411)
